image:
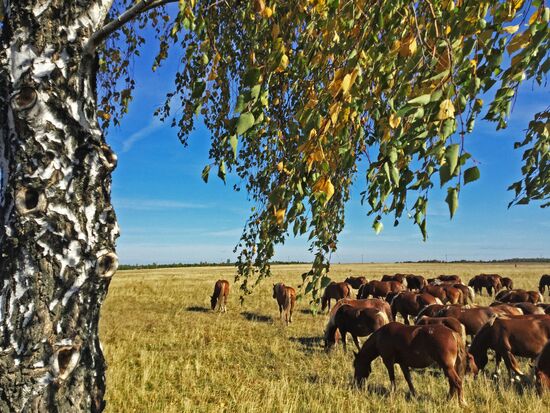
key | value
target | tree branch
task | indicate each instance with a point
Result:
(100, 35)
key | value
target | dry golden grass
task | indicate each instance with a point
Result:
(167, 352)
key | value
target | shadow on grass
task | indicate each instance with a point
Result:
(257, 317)
(197, 309)
(309, 312)
(309, 344)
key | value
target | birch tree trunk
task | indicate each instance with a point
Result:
(57, 225)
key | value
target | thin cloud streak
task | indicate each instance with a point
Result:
(128, 143)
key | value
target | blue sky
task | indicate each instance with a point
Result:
(168, 214)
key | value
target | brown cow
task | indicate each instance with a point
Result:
(526, 308)
(472, 318)
(436, 291)
(430, 310)
(380, 288)
(218, 300)
(408, 304)
(507, 283)
(523, 336)
(519, 296)
(376, 303)
(491, 282)
(545, 307)
(335, 291)
(286, 299)
(355, 319)
(400, 278)
(416, 347)
(449, 322)
(542, 369)
(544, 282)
(415, 282)
(356, 282)
(450, 278)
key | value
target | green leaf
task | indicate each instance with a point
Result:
(233, 141)
(420, 100)
(325, 281)
(239, 105)
(471, 174)
(205, 173)
(198, 89)
(221, 171)
(252, 77)
(444, 174)
(255, 92)
(452, 200)
(245, 122)
(451, 156)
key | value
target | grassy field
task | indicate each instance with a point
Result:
(167, 352)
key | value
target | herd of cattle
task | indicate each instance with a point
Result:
(516, 324)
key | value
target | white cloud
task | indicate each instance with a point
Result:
(140, 134)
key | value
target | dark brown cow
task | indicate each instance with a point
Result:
(523, 336)
(450, 278)
(545, 307)
(415, 282)
(491, 282)
(286, 299)
(544, 282)
(354, 319)
(409, 303)
(356, 282)
(519, 296)
(218, 300)
(542, 369)
(507, 283)
(380, 289)
(449, 322)
(414, 347)
(335, 291)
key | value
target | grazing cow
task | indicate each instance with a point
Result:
(430, 310)
(491, 282)
(400, 278)
(218, 300)
(449, 322)
(380, 289)
(354, 319)
(522, 336)
(415, 282)
(335, 291)
(408, 304)
(526, 308)
(544, 283)
(286, 299)
(414, 347)
(507, 283)
(376, 303)
(504, 309)
(519, 296)
(436, 291)
(542, 369)
(472, 318)
(450, 278)
(356, 282)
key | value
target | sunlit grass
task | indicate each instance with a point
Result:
(167, 352)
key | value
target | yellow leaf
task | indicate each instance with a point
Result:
(268, 12)
(346, 84)
(334, 110)
(283, 63)
(408, 47)
(280, 166)
(519, 41)
(279, 215)
(446, 110)
(511, 29)
(325, 186)
(387, 136)
(394, 121)
(275, 30)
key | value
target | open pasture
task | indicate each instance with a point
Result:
(168, 352)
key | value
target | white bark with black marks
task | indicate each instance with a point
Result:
(57, 225)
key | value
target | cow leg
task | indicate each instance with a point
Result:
(391, 373)
(356, 341)
(512, 365)
(407, 373)
(281, 312)
(455, 384)
(343, 334)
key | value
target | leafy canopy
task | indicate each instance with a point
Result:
(297, 92)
